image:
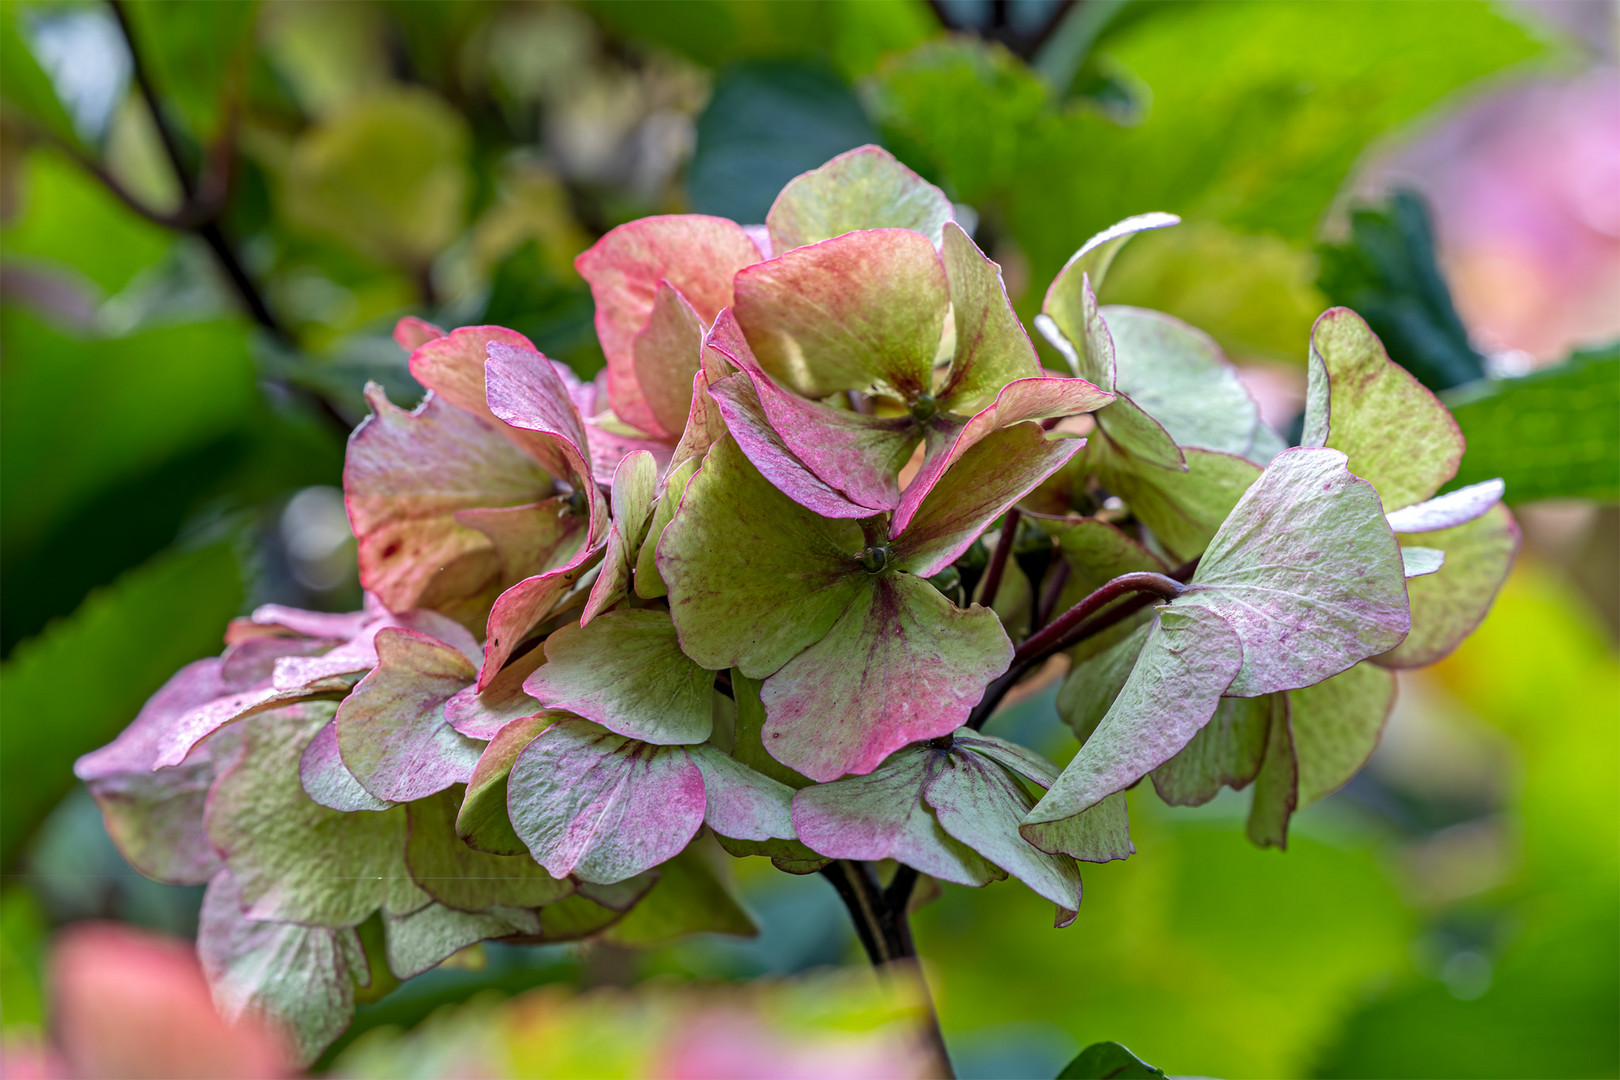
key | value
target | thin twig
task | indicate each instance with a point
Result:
(998, 558)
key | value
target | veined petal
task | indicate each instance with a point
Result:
(405, 477)
(992, 347)
(863, 311)
(753, 577)
(864, 188)
(452, 366)
(602, 807)
(901, 663)
(526, 393)
(521, 608)
(667, 355)
(1064, 303)
(697, 255)
(635, 482)
(1397, 434)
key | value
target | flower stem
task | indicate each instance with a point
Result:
(884, 928)
(998, 558)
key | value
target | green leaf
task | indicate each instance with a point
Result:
(1550, 434)
(197, 55)
(24, 86)
(1386, 270)
(1108, 1061)
(132, 636)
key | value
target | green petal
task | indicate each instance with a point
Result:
(1335, 726)
(1094, 682)
(865, 188)
(1188, 659)
(1097, 552)
(426, 937)
(1179, 376)
(1448, 604)
(1226, 752)
(635, 482)
(753, 577)
(864, 311)
(1276, 788)
(482, 821)
(1184, 509)
(992, 347)
(689, 898)
(293, 859)
(649, 583)
(1086, 270)
(1397, 433)
(457, 876)
(626, 672)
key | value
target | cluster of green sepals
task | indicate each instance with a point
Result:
(758, 587)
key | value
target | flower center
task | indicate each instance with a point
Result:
(923, 408)
(875, 559)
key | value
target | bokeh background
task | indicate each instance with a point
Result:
(211, 213)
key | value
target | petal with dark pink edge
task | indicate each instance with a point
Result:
(856, 455)
(1189, 658)
(297, 979)
(696, 254)
(994, 473)
(626, 672)
(882, 816)
(452, 367)
(295, 860)
(634, 485)
(156, 818)
(978, 803)
(458, 876)
(902, 663)
(992, 347)
(1398, 435)
(359, 654)
(392, 730)
(753, 576)
(526, 393)
(405, 476)
(602, 807)
(1065, 300)
(1307, 573)
(667, 354)
(524, 606)
(482, 822)
(1449, 604)
(864, 188)
(863, 311)
(411, 333)
(739, 802)
(1025, 399)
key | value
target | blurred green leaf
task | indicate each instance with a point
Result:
(74, 687)
(79, 416)
(385, 174)
(24, 86)
(1108, 1061)
(22, 965)
(1258, 111)
(61, 206)
(717, 32)
(1550, 434)
(196, 54)
(765, 124)
(1387, 272)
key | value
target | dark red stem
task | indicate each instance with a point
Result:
(999, 557)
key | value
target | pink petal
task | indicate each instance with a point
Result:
(411, 333)
(697, 255)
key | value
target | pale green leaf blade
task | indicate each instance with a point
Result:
(865, 188)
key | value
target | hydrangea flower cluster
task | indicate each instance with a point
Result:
(766, 578)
